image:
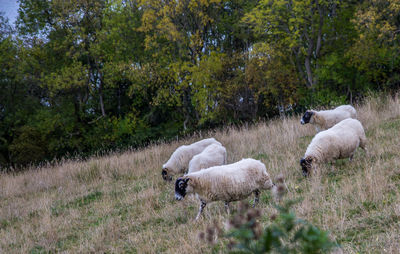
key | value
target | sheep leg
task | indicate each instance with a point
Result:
(351, 157)
(202, 205)
(256, 197)
(227, 207)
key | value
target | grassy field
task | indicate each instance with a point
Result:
(119, 203)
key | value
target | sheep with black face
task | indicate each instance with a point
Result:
(179, 160)
(227, 183)
(325, 119)
(338, 142)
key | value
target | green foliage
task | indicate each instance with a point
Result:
(28, 147)
(78, 77)
(285, 234)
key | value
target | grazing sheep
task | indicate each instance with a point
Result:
(338, 142)
(213, 155)
(325, 119)
(179, 160)
(227, 183)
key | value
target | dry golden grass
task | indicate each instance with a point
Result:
(119, 203)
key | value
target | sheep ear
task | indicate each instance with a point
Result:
(190, 181)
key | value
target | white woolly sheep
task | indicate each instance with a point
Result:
(179, 160)
(338, 142)
(227, 183)
(325, 119)
(213, 155)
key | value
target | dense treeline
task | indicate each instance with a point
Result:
(81, 76)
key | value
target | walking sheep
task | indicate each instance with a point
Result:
(213, 155)
(227, 183)
(338, 142)
(325, 119)
(179, 160)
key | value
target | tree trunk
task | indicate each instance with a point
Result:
(103, 112)
(119, 100)
(101, 101)
(307, 63)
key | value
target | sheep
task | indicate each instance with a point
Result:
(179, 160)
(338, 142)
(325, 119)
(227, 183)
(213, 155)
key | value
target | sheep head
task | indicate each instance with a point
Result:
(182, 187)
(306, 165)
(165, 175)
(307, 117)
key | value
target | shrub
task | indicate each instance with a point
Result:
(284, 234)
(28, 147)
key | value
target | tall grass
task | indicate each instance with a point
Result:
(119, 203)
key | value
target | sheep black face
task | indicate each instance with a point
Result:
(306, 117)
(165, 176)
(305, 164)
(180, 188)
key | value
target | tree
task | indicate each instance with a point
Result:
(375, 54)
(20, 95)
(71, 29)
(296, 29)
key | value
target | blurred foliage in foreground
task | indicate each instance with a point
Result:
(285, 233)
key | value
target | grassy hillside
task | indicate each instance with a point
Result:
(119, 203)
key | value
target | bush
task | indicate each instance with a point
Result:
(285, 234)
(29, 146)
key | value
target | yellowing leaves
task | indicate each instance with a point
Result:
(148, 20)
(69, 78)
(378, 19)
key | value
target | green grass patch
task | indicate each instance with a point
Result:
(390, 125)
(369, 205)
(265, 197)
(334, 176)
(68, 241)
(58, 208)
(139, 186)
(354, 212)
(37, 249)
(261, 156)
(124, 211)
(5, 223)
(367, 228)
(395, 177)
(85, 200)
